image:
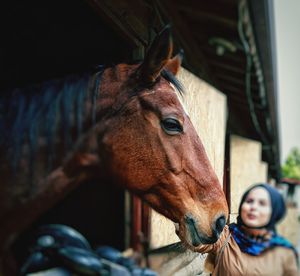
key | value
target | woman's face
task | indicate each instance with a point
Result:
(256, 210)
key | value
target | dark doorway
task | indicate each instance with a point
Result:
(42, 40)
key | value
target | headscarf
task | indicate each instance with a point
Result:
(277, 205)
(254, 246)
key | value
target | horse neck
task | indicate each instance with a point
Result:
(84, 161)
(111, 96)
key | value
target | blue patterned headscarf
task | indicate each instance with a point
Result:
(252, 245)
(255, 247)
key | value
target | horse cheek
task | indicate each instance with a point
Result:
(125, 160)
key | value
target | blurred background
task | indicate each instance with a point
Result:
(288, 58)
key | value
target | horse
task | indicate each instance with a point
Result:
(125, 123)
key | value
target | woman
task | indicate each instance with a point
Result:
(252, 247)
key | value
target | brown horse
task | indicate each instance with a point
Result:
(134, 131)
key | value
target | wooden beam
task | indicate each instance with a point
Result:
(228, 56)
(201, 15)
(228, 67)
(122, 16)
(235, 81)
(218, 8)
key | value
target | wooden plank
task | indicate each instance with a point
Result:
(136, 223)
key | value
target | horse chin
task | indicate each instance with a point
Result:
(192, 238)
(185, 237)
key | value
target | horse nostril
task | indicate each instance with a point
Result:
(191, 226)
(189, 219)
(220, 223)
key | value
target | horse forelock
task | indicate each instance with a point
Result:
(173, 80)
(177, 86)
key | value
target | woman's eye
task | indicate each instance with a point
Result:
(263, 203)
(250, 200)
(171, 126)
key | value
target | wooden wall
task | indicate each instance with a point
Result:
(246, 169)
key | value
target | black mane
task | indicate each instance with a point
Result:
(172, 79)
(42, 110)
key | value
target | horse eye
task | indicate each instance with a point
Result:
(171, 126)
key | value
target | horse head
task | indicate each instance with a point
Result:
(151, 147)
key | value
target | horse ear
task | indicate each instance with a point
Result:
(157, 56)
(174, 64)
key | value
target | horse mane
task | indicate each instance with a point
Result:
(41, 110)
(172, 79)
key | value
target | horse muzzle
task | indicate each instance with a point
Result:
(196, 237)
